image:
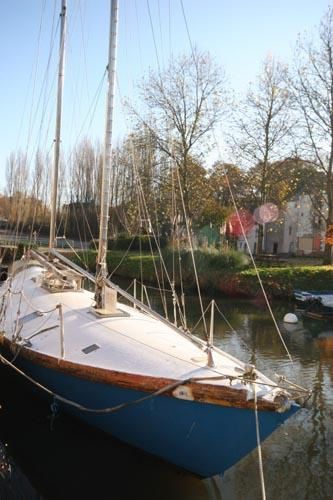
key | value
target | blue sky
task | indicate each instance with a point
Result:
(239, 34)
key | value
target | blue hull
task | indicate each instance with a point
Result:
(205, 439)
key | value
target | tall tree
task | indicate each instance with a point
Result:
(262, 126)
(38, 210)
(198, 190)
(135, 180)
(80, 219)
(17, 177)
(312, 84)
(184, 103)
(225, 177)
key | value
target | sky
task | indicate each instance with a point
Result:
(239, 34)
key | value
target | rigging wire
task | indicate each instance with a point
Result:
(87, 118)
(138, 38)
(145, 219)
(146, 211)
(169, 27)
(151, 287)
(160, 25)
(251, 255)
(201, 318)
(28, 86)
(124, 255)
(20, 167)
(189, 235)
(188, 31)
(35, 75)
(182, 198)
(86, 122)
(176, 232)
(156, 241)
(238, 215)
(154, 38)
(84, 49)
(44, 98)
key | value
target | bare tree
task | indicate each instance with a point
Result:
(261, 131)
(184, 103)
(84, 167)
(81, 212)
(312, 85)
(17, 177)
(38, 210)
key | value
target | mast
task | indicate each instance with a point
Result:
(101, 271)
(57, 140)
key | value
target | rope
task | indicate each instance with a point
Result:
(201, 317)
(293, 388)
(123, 257)
(259, 362)
(39, 311)
(261, 469)
(226, 320)
(75, 253)
(41, 330)
(78, 406)
(166, 290)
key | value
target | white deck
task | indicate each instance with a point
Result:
(136, 343)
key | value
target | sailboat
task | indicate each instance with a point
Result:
(123, 368)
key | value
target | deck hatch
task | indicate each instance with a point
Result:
(90, 348)
(31, 316)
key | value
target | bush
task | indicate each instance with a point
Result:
(128, 267)
(212, 265)
(211, 259)
(281, 281)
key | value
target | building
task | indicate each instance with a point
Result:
(299, 230)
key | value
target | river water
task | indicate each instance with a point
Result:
(58, 458)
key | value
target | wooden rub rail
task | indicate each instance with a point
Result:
(197, 390)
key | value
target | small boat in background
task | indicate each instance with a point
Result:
(315, 304)
(303, 297)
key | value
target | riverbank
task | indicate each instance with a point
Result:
(217, 274)
(279, 282)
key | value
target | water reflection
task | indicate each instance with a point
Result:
(73, 461)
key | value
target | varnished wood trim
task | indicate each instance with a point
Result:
(201, 392)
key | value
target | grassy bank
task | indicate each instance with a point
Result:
(228, 274)
(280, 282)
